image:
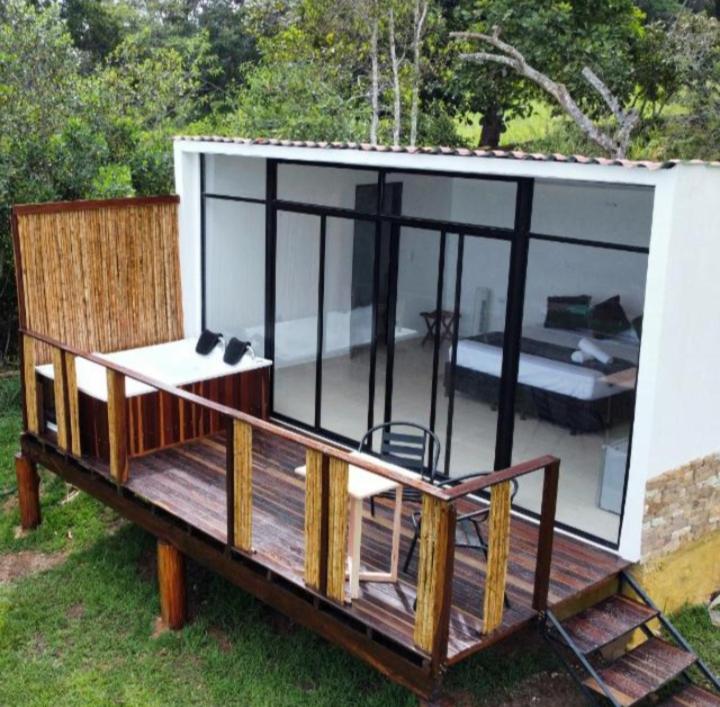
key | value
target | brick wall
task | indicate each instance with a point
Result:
(681, 506)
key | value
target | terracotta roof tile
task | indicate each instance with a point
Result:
(455, 151)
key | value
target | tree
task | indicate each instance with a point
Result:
(558, 39)
(614, 142)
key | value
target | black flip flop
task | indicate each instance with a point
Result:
(235, 350)
(207, 342)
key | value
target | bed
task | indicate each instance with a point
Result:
(586, 397)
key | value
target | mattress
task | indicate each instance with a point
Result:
(554, 376)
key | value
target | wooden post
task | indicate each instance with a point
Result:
(30, 393)
(61, 404)
(28, 483)
(73, 403)
(117, 426)
(171, 582)
(337, 529)
(316, 496)
(546, 534)
(435, 573)
(498, 552)
(242, 485)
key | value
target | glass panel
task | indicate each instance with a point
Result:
(608, 213)
(349, 261)
(476, 201)
(235, 270)
(328, 186)
(576, 383)
(235, 176)
(483, 302)
(417, 275)
(296, 309)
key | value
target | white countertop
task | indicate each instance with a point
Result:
(174, 363)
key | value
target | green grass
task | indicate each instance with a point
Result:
(83, 632)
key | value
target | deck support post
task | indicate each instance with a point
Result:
(28, 484)
(171, 582)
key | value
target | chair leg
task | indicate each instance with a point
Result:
(372, 506)
(411, 551)
(484, 547)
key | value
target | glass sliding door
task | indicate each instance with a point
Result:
(347, 326)
(297, 277)
(468, 410)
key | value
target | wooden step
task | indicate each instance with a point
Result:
(692, 696)
(642, 671)
(607, 621)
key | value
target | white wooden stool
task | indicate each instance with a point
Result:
(361, 485)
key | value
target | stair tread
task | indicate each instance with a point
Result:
(692, 696)
(642, 671)
(608, 620)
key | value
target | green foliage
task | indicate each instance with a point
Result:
(558, 38)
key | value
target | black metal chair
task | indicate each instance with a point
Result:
(406, 444)
(466, 523)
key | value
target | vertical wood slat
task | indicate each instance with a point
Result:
(100, 276)
(61, 403)
(73, 403)
(30, 386)
(435, 570)
(315, 543)
(546, 534)
(242, 485)
(337, 528)
(117, 426)
(498, 552)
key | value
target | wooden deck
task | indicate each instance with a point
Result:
(188, 482)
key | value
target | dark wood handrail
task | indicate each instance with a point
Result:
(382, 469)
(497, 477)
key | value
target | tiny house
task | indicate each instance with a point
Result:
(546, 320)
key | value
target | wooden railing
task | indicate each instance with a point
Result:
(326, 499)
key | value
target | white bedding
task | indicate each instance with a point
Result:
(554, 376)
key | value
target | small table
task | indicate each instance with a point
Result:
(361, 485)
(443, 319)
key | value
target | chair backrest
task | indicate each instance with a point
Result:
(406, 444)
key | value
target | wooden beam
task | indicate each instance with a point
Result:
(117, 426)
(546, 535)
(30, 390)
(337, 528)
(61, 402)
(315, 521)
(498, 552)
(171, 583)
(28, 484)
(435, 571)
(73, 399)
(242, 484)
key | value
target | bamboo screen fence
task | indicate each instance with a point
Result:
(99, 275)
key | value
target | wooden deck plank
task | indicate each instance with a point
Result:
(188, 481)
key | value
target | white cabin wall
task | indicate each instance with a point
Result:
(187, 186)
(681, 362)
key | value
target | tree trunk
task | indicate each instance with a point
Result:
(375, 80)
(397, 106)
(421, 8)
(491, 127)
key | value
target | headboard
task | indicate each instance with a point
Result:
(99, 275)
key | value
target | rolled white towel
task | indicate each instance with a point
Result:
(580, 357)
(592, 349)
